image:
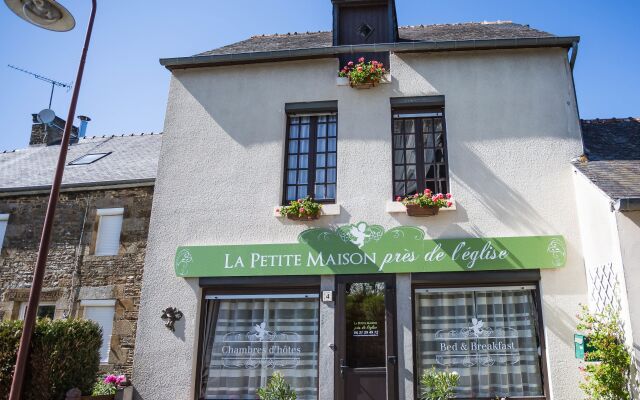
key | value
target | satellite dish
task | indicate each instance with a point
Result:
(47, 14)
(46, 116)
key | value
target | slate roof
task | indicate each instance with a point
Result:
(612, 150)
(434, 33)
(132, 158)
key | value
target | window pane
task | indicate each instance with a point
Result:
(304, 131)
(332, 129)
(399, 157)
(295, 120)
(293, 162)
(331, 191)
(399, 173)
(442, 171)
(291, 177)
(411, 156)
(331, 160)
(293, 131)
(293, 146)
(429, 171)
(332, 118)
(439, 155)
(331, 175)
(304, 162)
(305, 120)
(488, 336)
(331, 144)
(247, 340)
(409, 126)
(399, 189)
(412, 187)
(321, 160)
(322, 145)
(428, 140)
(397, 126)
(365, 324)
(428, 156)
(322, 119)
(397, 142)
(322, 130)
(444, 188)
(302, 191)
(410, 141)
(426, 125)
(431, 185)
(304, 146)
(291, 193)
(320, 175)
(439, 140)
(302, 176)
(437, 122)
(320, 192)
(411, 172)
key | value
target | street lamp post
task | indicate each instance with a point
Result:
(47, 14)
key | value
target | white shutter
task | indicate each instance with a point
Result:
(4, 219)
(101, 312)
(109, 228)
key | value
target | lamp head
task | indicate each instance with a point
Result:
(47, 14)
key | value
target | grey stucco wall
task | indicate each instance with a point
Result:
(512, 128)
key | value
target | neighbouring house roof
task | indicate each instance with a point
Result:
(612, 156)
(439, 32)
(420, 38)
(131, 159)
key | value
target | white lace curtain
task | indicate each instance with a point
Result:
(247, 339)
(488, 336)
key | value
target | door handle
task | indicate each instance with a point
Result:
(343, 366)
(392, 360)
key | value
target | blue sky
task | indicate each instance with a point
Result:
(125, 89)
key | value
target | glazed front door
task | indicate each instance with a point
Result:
(365, 335)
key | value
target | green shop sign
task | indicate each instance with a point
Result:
(367, 249)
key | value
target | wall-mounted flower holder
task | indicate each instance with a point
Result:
(414, 210)
(362, 75)
(170, 315)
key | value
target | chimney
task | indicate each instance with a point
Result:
(84, 121)
(364, 22)
(50, 134)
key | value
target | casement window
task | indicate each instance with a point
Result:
(419, 151)
(4, 220)
(247, 337)
(45, 310)
(109, 228)
(310, 161)
(490, 336)
(101, 312)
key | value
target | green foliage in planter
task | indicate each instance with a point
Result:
(301, 208)
(363, 72)
(428, 199)
(608, 378)
(64, 354)
(100, 388)
(438, 385)
(277, 389)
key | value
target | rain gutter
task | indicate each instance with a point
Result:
(333, 51)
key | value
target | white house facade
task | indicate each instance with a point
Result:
(358, 303)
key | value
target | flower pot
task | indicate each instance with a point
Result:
(364, 85)
(414, 210)
(303, 217)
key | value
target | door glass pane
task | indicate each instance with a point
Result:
(364, 314)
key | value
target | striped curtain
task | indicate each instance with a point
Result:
(488, 336)
(248, 339)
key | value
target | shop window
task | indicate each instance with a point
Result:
(45, 310)
(246, 338)
(109, 228)
(310, 163)
(419, 152)
(489, 336)
(101, 312)
(4, 219)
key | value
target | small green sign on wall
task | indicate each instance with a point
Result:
(368, 249)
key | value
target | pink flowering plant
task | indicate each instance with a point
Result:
(427, 199)
(301, 208)
(108, 384)
(363, 72)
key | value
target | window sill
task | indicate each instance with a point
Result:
(344, 81)
(327, 209)
(396, 207)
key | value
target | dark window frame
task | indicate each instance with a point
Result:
(480, 280)
(312, 151)
(414, 107)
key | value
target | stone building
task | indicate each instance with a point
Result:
(96, 259)
(360, 302)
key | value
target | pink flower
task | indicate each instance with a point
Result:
(277, 210)
(120, 379)
(359, 69)
(398, 198)
(416, 195)
(383, 69)
(449, 195)
(434, 198)
(361, 59)
(350, 63)
(440, 196)
(427, 191)
(110, 379)
(299, 200)
(449, 203)
(301, 209)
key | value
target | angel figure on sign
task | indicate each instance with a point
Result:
(359, 233)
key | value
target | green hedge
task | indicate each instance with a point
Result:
(65, 353)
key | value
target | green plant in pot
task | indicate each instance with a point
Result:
(438, 385)
(301, 209)
(426, 203)
(363, 74)
(108, 385)
(277, 389)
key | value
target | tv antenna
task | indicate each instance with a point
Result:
(44, 78)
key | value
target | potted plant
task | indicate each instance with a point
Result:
(277, 389)
(302, 209)
(426, 203)
(438, 385)
(363, 75)
(106, 387)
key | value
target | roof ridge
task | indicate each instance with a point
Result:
(607, 120)
(498, 22)
(288, 34)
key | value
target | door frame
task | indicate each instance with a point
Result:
(390, 331)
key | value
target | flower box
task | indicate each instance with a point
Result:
(303, 217)
(363, 75)
(368, 84)
(414, 210)
(301, 210)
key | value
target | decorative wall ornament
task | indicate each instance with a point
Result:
(170, 315)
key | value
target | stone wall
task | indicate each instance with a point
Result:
(73, 273)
